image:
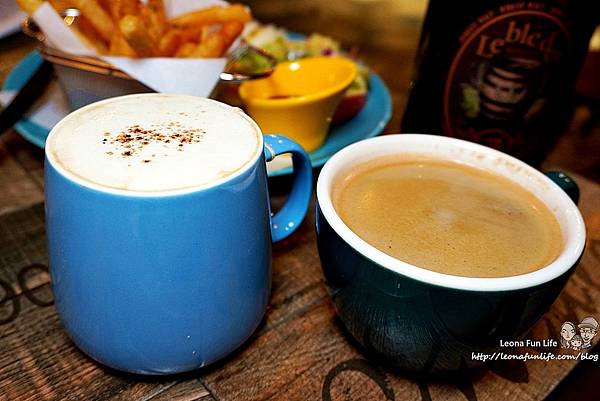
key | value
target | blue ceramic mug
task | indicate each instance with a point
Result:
(160, 283)
(424, 321)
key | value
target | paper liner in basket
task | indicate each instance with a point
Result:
(190, 76)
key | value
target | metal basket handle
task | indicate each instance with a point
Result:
(233, 76)
(31, 29)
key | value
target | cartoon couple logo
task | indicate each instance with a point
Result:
(571, 340)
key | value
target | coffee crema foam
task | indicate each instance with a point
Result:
(154, 142)
(448, 217)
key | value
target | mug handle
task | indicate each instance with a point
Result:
(287, 220)
(566, 183)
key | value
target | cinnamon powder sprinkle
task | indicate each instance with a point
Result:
(135, 138)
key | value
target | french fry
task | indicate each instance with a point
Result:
(128, 7)
(190, 34)
(215, 43)
(60, 5)
(29, 6)
(210, 47)
(120, 8)
(112, 8)
(230, 31)
(170, 42)
(136, 28)
(207, 30)
(99, 18)
(120, 47)
(88, 35)
(154, 16)
(138, 37)
(213, 15)
(186, 49)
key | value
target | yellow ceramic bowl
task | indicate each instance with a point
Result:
(299, 98)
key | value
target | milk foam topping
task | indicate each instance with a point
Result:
(154, 142)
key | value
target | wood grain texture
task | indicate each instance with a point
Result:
(17, 188)
(26, 156)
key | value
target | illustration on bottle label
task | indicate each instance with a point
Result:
(499, 79)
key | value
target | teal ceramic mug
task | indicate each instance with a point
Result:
(155, 271)
(420, 320)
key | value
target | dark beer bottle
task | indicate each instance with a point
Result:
(500, 73)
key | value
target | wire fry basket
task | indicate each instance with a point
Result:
(87, 79)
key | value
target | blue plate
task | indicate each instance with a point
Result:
(36, 125)
(28, 127)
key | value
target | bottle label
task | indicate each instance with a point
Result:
(502, 73)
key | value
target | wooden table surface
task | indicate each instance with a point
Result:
(300, 351)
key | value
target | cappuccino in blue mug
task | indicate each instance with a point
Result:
(159, 228)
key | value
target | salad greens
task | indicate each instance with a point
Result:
(275, 41)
